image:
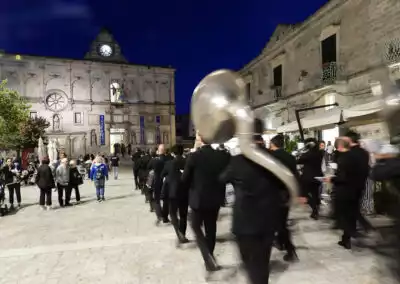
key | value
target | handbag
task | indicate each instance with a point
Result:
(79, 179)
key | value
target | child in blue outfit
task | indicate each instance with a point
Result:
(99, 174)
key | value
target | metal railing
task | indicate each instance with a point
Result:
(330, 73)
(277, 92)
(392, 51)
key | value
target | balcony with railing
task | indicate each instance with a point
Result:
(392, 51)
(276, 92)
(331, 73)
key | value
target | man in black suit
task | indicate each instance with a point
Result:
(206, 195)
(312, 167)
(360, 174)
(284, 235)
(157, 165)
(177, 194)
(346, 193)
(257, 204)
(136, 165)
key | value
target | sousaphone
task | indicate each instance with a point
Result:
(220, 112)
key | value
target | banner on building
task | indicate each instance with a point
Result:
(102, 130)
(142, 142)
(158, 133)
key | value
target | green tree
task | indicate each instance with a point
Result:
(14, 111)
(30, 132)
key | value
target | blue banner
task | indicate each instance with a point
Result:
(102, 131)
(142, 142)
(158, 134)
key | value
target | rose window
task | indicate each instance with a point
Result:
(56, 101)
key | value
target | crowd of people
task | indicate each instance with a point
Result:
(175, 181)
(63, 176)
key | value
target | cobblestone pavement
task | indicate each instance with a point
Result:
(117, 242)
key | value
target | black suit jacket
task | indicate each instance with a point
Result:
(258, 196)
(157, 165)
(44, 177)
(343, 180)
(289, 161)
(173, 174)
(312, 165)
(360, 160)
(202, 175)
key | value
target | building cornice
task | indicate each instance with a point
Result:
(11, 57)
(328, 8)
(102, 103)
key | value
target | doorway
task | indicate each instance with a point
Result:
(330, 135)
(116, 137)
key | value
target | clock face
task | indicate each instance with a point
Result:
(105, 50)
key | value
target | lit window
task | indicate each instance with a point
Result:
(330, 99)
(18, 57)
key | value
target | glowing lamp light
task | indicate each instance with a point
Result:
(18, 57)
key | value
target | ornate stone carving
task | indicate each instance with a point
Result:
(56, 100)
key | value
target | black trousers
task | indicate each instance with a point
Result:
(161, 209)
(314, 196)
(284, 236)
(179, 206)
(15, 187)
(2, 194)
(255, 251)
(61, 189)
(205, 240)
(136, 178)
(347, 217)
(45, 197)
(77, 193)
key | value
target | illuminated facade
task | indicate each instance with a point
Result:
(98, 101)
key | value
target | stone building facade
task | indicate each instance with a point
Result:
(341, 54)
(98, 101)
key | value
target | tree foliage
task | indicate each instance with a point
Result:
(14, 112)
(30, 132)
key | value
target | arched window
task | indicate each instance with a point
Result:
(133, 138)
(93, 138)
(56, 122)
(115, 92)
(165, 138)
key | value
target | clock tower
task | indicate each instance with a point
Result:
(105, 48)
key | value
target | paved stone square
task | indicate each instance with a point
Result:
(117, 242)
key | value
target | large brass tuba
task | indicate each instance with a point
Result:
(219, 111)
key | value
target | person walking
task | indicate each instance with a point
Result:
(178, 195)
(11, 177)
(99, 175)
(257, 211)
(157, 165)
(206, 196)
(45, 181)
(284, 236)
(75, 180)
(62, 180)
(115, 165)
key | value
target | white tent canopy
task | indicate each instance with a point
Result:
(329, 117)
(290, 127)
(363, 109)
(333, 116)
